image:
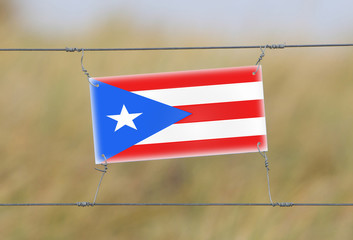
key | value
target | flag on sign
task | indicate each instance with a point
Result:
(181, 114)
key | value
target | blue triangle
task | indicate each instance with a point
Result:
(109, 100)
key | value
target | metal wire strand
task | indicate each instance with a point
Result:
(260, 58)
(263, 154)
(104, 171)
(270, 46)
(83, 68)
(87, 204)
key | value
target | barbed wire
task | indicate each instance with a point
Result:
(267, 46)
(89, 204)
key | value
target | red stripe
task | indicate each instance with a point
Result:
(183, 79)
(223, 111)
(191, 149)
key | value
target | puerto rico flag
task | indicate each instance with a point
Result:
(179, 114)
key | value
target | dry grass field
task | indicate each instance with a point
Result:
(46, 146)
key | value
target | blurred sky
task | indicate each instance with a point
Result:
(238, 20)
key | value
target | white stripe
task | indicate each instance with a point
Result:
(209, 130)
(206, 94)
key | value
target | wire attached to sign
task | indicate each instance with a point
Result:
(84, 70)
(104, 171)
(274, 204)
(260, 58)
(273, 46)
(263, 154)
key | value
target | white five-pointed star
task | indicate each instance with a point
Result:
(124, 118)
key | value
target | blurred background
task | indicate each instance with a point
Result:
(46, 143)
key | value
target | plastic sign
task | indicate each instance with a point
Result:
(180, 114)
